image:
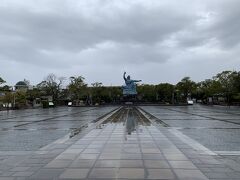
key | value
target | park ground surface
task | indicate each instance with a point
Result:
(145, 142)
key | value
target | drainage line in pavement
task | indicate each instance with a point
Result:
(203, 116)
(157, 120)
(29, 115)
(85, 126)
(99, 118)
(52, 118)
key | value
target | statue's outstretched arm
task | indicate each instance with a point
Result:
(137, 80)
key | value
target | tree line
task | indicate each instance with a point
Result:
(222, 88)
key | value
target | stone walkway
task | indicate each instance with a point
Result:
(109, 152)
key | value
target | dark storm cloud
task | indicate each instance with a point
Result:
(71, 37)
(219, 22)
(227, 23)
(51, 30)
(30, 31)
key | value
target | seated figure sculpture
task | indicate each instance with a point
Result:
(130, 88)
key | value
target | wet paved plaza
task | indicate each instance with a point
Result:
(28, 130)
(149, 142)
(217, 128)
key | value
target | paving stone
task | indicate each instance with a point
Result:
(184, 174)
(20, 169)
(217, 175)
(87, 156)
(127, 146)
(58, 163)
(150, 150)
(182, 165)
(34, 160)
(211, 165)
(131, 163)
(215, 169)
(107, 163)
(7, 178)
(210, 160)
(73, 151)
(131, 173)
(152, 156)
(82, 163)
(100, 146)
(176, 157)
(110, 156)
(234, 175)
(78, 146)
(47, 174)
(34, 165)
(130, 156)
(232, 164)
(7, 173)
(74, 174)
(23, 173)
(90, 151)
(156, 164)
(160, 174)
(132, 150)
(112, 150)
(103, 173)
(204, 170)
(67, 156)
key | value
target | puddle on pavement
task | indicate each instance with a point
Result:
(130, 118)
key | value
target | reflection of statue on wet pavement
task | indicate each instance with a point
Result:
(130, 125)
(130, 88)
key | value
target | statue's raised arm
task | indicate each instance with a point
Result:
(124, 76)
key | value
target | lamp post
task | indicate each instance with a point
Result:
(14, 98)
(173, 97)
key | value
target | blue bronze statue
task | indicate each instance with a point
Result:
(130, 88)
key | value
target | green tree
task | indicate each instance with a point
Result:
(97, 92)
(226, 79)
(186, 86)
(2, 81)
(7, 98)
(77, 88)
(236, 82)
(101, 94)
(115, 93)
(147, 92)
(165, 92)
(34, 93)
(236, 87)
(51, 86)
(208, 88)
(3, 88)
(20, 99)
(97, 84)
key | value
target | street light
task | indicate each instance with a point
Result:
(14, 98)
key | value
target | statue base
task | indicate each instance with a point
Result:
(129, 103)
(129, 92)
(129, 99)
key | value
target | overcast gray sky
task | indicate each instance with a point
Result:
(153, 40)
